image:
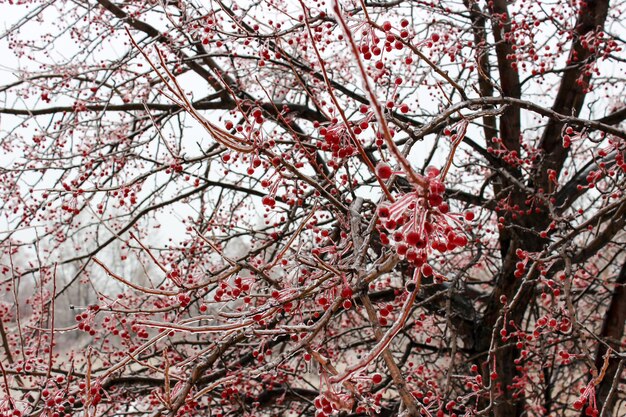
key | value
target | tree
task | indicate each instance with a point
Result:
(318, 208)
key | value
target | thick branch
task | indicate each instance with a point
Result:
(612, 333)
(573, 88)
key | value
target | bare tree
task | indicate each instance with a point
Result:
(318, 208)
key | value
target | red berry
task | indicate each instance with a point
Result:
(431, 171)
(460, 240)
(383, 211)
(346, 292)
(268, 201)
(412, 238)
(383, 171)
(377, 378)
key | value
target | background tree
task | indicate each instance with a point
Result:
(317, 208)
